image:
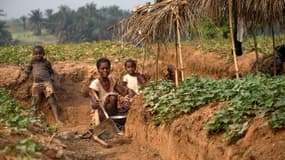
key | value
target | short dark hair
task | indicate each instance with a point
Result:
(102, 60)
(40, 47)
(133, 62)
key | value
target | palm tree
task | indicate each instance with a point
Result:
(48, 21)
(5, 35)
(86, 24)
(89, 10)
(36, 19)
(48, 13)
(24, 21)
(64, 19)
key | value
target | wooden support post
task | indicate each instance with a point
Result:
(232, 36)
(176, 60)
(256, 51)
(180, 48)
(274, 52)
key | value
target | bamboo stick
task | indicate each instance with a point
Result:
(232, 37)
(176, 60)
(179, 48)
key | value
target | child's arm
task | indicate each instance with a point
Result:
(125, 81)
(141, 78)
(51, 72)
(131, 93)
(28, 69)
(94, 99)
(123, 90)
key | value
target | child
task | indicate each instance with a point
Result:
(104, 91)
(133, 79)
(43, 77)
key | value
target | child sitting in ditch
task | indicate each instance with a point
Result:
(133, 79)
(43, 77)
(104, 92)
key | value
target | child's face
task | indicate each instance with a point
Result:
(104, 70)
(38, 54)
(130, 67)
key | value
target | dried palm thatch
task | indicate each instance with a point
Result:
(262, 12)
(253, 12)
(156, 23)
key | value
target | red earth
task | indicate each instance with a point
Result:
(182, 139)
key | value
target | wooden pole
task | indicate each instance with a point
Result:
(179, 48)
(176, 60)
(144, 57)
(232, 36)
(274, 52)
(273, 37)
(256, 51)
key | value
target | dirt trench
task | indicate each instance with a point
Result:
(183, 139)
(71, 86)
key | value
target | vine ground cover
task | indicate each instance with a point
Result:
(17, 120)
(59, 52)
(250, 97)
(12, 114)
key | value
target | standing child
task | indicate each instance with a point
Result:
(104, 91)
(133, 79)
(43, 77)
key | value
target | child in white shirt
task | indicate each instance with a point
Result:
(133, 80)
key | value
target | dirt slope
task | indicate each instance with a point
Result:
(186, 139)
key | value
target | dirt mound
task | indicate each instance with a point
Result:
(186, 139)
(210, 64)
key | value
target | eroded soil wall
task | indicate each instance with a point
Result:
(186, 139)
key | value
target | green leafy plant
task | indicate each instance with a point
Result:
(51, 129)
(61, 52)
(12, 114)
(248, 98)
(25, 149)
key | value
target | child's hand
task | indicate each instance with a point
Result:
(95, 104)
(127, 98)
(126, 101)
(141, 79)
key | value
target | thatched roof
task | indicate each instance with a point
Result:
(143, 26)
(157, 22)
(253, 12)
